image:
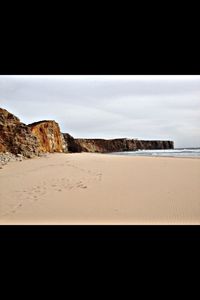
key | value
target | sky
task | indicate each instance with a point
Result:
(96, 106)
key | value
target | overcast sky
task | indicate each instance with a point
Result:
(143, 107)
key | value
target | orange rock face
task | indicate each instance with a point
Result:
(48, 135)
(29, 140)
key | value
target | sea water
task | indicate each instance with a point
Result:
(195, 153)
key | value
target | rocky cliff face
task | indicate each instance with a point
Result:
(16, 137)
(71, 144)
(119, 145)
(29, 140)
(45, 136)
(48, 135)
(101, 145)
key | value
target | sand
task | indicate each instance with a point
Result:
(87, 188)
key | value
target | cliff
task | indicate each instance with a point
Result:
(16, 137)
(119, 145)
(71, 144)
(48, 135)
(29, 140)
(45, 136)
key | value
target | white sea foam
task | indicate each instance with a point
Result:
(161, 153)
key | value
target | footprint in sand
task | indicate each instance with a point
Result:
(35, 192)
(81, 185)
(99, 176)
(31, 194)
(15, 209)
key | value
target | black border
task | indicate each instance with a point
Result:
(106, 66)
(99, 233)
(91, 57)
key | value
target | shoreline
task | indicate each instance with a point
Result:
(190, 157)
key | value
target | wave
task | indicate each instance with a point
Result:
(168, 152)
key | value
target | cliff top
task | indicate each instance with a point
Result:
(7, 116)
(119, 139)
(40, 122)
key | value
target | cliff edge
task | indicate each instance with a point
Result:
(48, 135)
(120, 145)
(29, 140)
(45, 136)
(16, 137)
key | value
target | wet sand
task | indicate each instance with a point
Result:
(87, 188)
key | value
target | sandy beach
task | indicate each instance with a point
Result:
(87, 188)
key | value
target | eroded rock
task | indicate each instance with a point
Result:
(71, 144)
(48, 135)
(19, 141)
(119, 145)
(16, 137)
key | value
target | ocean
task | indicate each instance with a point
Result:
(190, 152)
